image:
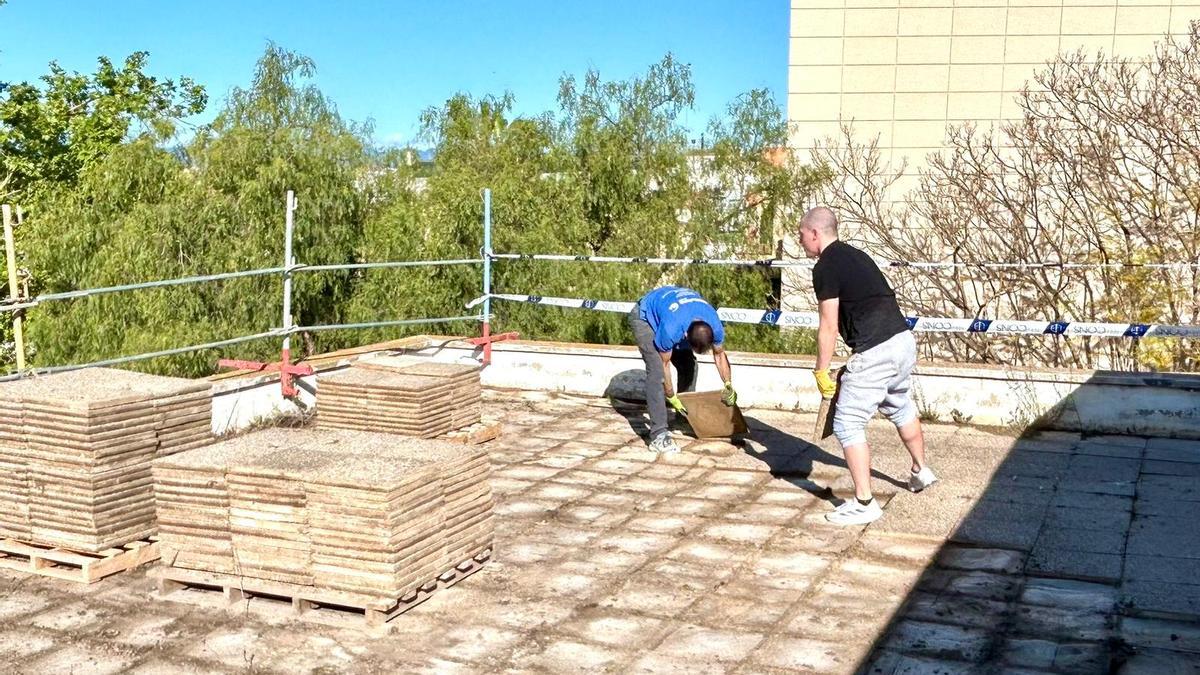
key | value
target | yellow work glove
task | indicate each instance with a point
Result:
(729, 398)
(675, 403)
(825, 383)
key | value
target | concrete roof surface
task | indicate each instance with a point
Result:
(1049, 553)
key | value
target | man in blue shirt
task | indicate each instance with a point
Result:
(672, 324)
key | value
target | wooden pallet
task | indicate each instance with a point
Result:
(83, 567)
(480, 432)
(327, 607)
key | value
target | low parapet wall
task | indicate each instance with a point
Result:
(1166, 405)
(1071, 400)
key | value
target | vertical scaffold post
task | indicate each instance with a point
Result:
(10, 253)
(285, 377)
(487, 275)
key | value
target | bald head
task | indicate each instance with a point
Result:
(821, 219)
(818, 228)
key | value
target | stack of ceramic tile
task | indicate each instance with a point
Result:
(376, 514)
(467, 395)
(14, 472)
(467, 493)
(378, 521)
(192, 505)
(267, 511)
(376, 400)
(86, 439)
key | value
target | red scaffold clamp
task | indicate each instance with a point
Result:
(487, 340)
(286, 369)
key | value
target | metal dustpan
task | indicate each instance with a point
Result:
(710, 418)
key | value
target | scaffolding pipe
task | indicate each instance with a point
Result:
(487, 275)
(71, 295)
(289, 262)
(10, 257)
(388, 265)
(149, 355)
(386, 324)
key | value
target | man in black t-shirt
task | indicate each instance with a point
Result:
(855, 301)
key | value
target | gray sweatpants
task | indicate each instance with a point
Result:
(683, 360)
(876, 380)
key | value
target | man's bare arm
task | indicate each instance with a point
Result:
(827, 332)
(668, 388)
(721, 361)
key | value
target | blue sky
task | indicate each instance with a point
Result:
(389, 60)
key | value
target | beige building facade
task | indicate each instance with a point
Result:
(903, 70)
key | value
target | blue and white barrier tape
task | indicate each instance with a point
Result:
(919, 324)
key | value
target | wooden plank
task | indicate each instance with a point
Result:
(326, 607)
(475, 434)
(61, 563)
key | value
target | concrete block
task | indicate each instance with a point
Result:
(1081, 595)
(1117, 440)
(958, 610)
(1031, 490)
(984, 585)
(1002, 525)
(763, 611)
(1092, 448)
(707, 644)
(1180, 455)
(938, 640)
(1082, 540)
(1168, 488)
(1092, 467)
(654, 595)
(1090, 503)
(1161, 467)
(1101, 487)
(1161, 633)
(570, 656)
(1160, 662)
(799, 654)
(1082, 657)
(1033, 463)
(1029, 652)
(1168, 443)
(1160, 569)
(1159, 535)
(1169, 508)
(981, 559)
(1075, 564)
(615, 629)
(889, 662)
(1060, 624)
(637, 543)
(1161, 599)
(687, 506)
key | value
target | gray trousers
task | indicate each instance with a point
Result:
(877, 380)
(683, 360)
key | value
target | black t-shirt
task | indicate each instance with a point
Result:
(867, 311)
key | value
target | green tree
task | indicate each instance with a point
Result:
(609, 172)
(142, 212)
(49, 134)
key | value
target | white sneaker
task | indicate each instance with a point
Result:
(853, 513)
(664, 445)
(921, 480)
